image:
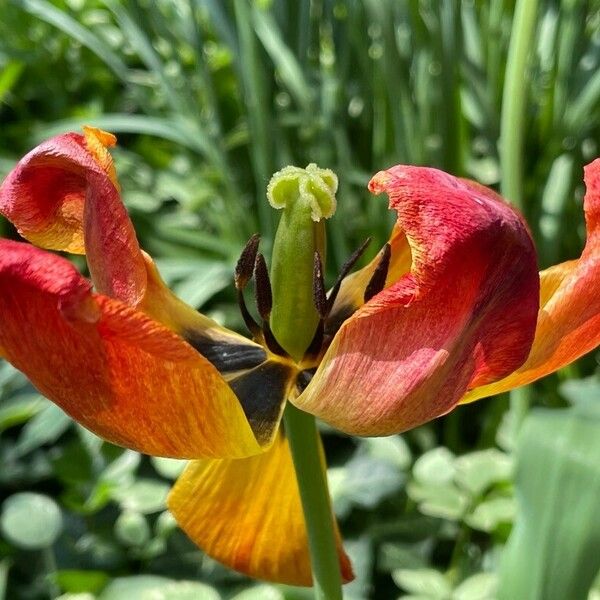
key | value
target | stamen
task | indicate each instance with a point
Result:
(245, 263)
(319, 293)
(346, 268)
(264, 295)
(251, 324)
(377, 281)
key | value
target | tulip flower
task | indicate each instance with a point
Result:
(450, 310)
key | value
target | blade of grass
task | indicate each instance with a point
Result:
(552, 551)
(61, 20)
(512, 133)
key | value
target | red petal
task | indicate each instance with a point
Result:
(465, 314)
(114, 370)
(63, 196)
(569, 318)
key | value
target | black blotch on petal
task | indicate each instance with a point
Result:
(226, 357)
(261, 393)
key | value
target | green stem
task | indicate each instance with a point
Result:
(514, 97)
(301, 431)
(512, 130)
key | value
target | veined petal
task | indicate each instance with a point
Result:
(64, 195)
(113, 369)
(247, 515)
(569, 317)
(465, 314)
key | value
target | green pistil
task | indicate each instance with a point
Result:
(306, 197)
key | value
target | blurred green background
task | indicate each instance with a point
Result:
(208, 99)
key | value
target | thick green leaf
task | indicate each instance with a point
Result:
(79, 582)
(552, 553)
(145, 496)
(31, 521)
(152, 586)
(45, 427)
(19, 409)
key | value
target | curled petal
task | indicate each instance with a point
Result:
(114, 370)
(63, 195)
(568, 323)
(464, 316)
(247, 514)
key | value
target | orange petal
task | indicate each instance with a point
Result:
(114, 370)
(569, 318)
(63, 195)
(465, 314)
(247, 514)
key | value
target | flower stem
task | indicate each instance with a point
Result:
(302, 434)
(512, 132)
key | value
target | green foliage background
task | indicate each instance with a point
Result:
(208, 99)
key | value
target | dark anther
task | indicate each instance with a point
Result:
(245, 263)
(251, 324)
(346, 267)
(377, 281)
(272, 344)
(319, 293)
(264, 295)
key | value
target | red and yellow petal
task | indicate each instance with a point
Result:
(569, 317)
(64, 195)
(247, 515)
(464, 316)
(120, 374)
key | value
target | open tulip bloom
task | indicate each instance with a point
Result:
(452, 309)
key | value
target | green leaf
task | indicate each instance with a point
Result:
(161, 588)
(169, 468)
(132, 529)
(260, 592)
(392, 449)
(436, 467)
(364, 482)
(478, 471)
(482, 586)
(145, 496)
(44, 428)
(76, 581)
(488, 515)
(20, 409)
(53, 15)
(424, 582)
(442, 501)
(31, 521)
(578, 390)
(552, 552)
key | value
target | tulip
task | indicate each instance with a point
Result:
(450, 310)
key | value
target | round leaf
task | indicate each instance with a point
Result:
(31, 521)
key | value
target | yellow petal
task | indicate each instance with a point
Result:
(247, 515)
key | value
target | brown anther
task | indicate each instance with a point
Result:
(264, 295)
(251, 324)
(377, 281)
(245, 263)
(319, 293)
